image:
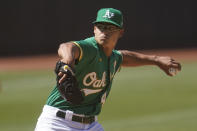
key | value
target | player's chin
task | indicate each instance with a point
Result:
(103, 41)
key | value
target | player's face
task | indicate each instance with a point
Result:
(106, 33)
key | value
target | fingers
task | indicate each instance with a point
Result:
(176, 65)
(62, 77)
(172, 60)
(168, 72)
(169, 65)
(173, 68)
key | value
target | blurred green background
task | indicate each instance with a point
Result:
(141, 99)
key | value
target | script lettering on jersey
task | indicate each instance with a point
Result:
(91, 80)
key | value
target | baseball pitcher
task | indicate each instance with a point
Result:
(85, 73)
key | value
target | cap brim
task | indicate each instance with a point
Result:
(111, 22)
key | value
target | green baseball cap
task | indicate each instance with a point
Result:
(110, 15)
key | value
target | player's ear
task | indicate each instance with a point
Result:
(94, 29)
(121, 33)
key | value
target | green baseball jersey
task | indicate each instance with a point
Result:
(94, 72)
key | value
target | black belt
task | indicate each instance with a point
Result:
(84, 120)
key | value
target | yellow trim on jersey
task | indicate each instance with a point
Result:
(118, 70)
(121, 55)
(81, 51)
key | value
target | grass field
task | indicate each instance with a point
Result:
(142, 99)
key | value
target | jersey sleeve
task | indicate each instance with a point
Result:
(81, 50)
(87, 51)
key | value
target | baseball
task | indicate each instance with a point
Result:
(173, 71)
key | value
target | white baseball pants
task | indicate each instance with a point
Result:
(48, 121)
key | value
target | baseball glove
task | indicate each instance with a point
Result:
(68, 88)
